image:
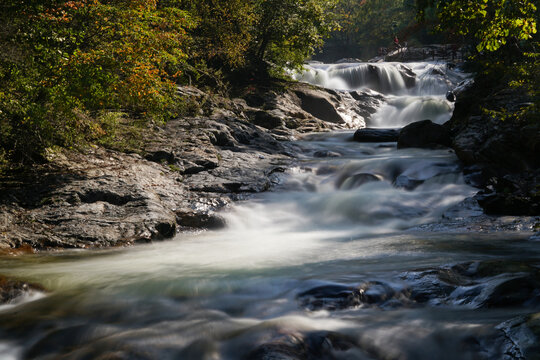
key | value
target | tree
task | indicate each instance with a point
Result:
(66, 60)
(287, 32)
(489, 24)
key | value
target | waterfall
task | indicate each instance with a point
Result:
(414, 91)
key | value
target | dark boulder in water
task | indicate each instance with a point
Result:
(423, 134)
(337, 296)
(450, 96)
(517, 292)
(486, 284)
(11, 289)
(376, 135)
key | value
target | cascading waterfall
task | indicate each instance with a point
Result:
(414, 91)
(333, 264)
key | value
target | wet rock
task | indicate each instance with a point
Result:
(192, 219)
(450, 96)
(338, 297)
(356, 180)
(11, 289)
(348, 61)
(330, 297)
(508, 204)
(325, 154)
(518, 292)
(520, 337)
(404, 182)
(376, 135)
(312, 345)
(408, 76)
(487, 284)
(423, 134)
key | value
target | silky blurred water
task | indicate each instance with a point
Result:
(347, 219)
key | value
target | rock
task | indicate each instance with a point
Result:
(267, 119)
(319, 106)
(196, 220)
(404, 182)
(520, 337)
(504, 151)
(486, 284)
(337, 296)
(11, 289)
(356, 180)
(408, 76)
(376, 135)
(348, 61)
(423, 134)
(495, 203)
(325, 154)
(451, 96)
(297, 346)
(523, 291)
(190, 168)
(330, 297)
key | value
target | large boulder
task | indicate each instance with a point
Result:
(319, 105)
(376, 135)
(423, 134)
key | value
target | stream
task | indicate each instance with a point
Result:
(335, 263)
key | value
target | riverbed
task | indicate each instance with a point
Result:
(338, 261)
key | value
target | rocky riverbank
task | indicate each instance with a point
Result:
(186, 171)
(502, 155)
(190, 168)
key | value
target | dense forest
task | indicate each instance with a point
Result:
(73, 72)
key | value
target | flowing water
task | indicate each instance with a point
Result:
(409, 98)
(333, 264)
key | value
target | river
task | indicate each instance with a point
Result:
(336, 262)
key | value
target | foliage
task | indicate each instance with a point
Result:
(490, 24)
(504, 34)
(260, 35)
(223, 33)
(371, 24)
(68, 59)
(65, 64)
(289, 31)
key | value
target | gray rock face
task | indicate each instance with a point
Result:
(423, 134)
(188, 170)
(319, 106)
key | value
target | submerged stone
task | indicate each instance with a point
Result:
(423, 134)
